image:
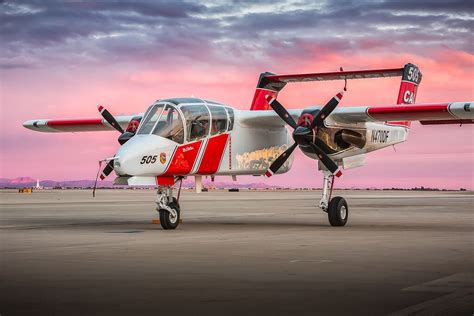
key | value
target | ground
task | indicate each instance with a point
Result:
(66, 253)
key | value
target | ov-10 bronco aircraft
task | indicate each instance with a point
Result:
(182, 137)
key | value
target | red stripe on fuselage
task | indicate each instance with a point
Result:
(183, 160)
(213, 154)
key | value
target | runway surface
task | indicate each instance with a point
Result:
(258, 253)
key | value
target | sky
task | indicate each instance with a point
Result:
(61, 58)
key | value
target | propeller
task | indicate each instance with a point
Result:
(280, 160)
(123, 138)
(326, 110)
(110, 118)
(301, 131)
(107, 169)
(282, 112)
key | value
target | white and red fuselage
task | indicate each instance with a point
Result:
(243, 148)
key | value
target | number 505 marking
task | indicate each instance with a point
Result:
(413, 74)
(148, 159)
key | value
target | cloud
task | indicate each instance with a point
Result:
(49, 32)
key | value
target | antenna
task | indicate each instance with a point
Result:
(345, 79)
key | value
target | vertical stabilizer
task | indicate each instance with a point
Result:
(411, 78)
(264, 88)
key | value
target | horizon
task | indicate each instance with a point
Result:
(61, 60)
(208, 183)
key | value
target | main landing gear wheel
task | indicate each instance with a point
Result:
(338, 212)
(169, 219)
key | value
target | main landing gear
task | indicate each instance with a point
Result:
(337, 209)
(168, 207)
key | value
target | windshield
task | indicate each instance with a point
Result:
(165, 121)
(151, 117)
(170, 125)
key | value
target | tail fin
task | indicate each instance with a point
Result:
(265, 87)
(411, 78)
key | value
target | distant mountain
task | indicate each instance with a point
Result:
(21, 182)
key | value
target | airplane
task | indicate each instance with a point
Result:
(180, 137)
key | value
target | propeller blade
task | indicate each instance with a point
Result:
(107, 170)
(326, 161)
(110, 118)
(282, 112)
(276, 165)
(326, 110)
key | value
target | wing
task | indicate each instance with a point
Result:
(426, 114)
(264, 118)
(77, 124)
(433, 113)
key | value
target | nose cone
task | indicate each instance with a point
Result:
(143, 155)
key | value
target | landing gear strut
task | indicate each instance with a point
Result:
(337, 209)
(168, 207)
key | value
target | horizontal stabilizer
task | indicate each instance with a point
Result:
(337, 75)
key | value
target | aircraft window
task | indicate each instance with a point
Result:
(219, 119)
(170, 125)
(197, 121)
(230, 112)
(151, 117)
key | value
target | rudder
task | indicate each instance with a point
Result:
(411, 78)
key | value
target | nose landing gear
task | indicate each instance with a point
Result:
(168, 207)
(337, 209)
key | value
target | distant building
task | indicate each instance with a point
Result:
(38, 187)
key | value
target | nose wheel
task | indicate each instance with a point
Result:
(168, 207)
(169, 215)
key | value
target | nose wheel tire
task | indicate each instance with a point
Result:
(170, 220)
(338, 211)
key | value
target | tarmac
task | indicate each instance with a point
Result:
(236, 253)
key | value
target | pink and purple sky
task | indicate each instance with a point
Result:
(62, 59)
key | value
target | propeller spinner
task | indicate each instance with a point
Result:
(302, 131)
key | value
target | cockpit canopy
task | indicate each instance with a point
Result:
(186, 119)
